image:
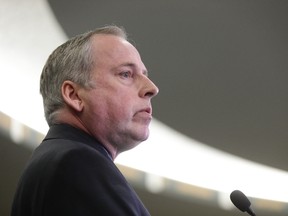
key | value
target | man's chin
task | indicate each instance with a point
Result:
(141, 137)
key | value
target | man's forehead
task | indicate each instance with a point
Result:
(108, 39)
(117, 51)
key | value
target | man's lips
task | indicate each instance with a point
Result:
(147, 110)
(145, 113)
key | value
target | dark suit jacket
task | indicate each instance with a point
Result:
(71, 174)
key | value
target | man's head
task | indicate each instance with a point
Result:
(98, 82)
(72, 61)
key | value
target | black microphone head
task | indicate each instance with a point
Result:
(240, 200)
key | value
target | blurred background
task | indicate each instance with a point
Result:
(221, 67)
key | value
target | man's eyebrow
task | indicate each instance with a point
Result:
(128, 64)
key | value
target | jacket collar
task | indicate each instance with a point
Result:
(68, 132)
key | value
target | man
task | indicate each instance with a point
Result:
(97, 102)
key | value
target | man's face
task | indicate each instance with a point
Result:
(118, 110)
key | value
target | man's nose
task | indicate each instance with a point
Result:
(149, 88)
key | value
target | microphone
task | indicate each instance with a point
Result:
(240, 200)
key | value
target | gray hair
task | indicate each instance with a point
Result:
(72, 61)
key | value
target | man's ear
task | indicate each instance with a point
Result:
(70, 95)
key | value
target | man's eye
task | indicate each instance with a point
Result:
(126, 74)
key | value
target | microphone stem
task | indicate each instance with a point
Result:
(250, 212)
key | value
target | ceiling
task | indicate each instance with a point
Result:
(221, 66)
